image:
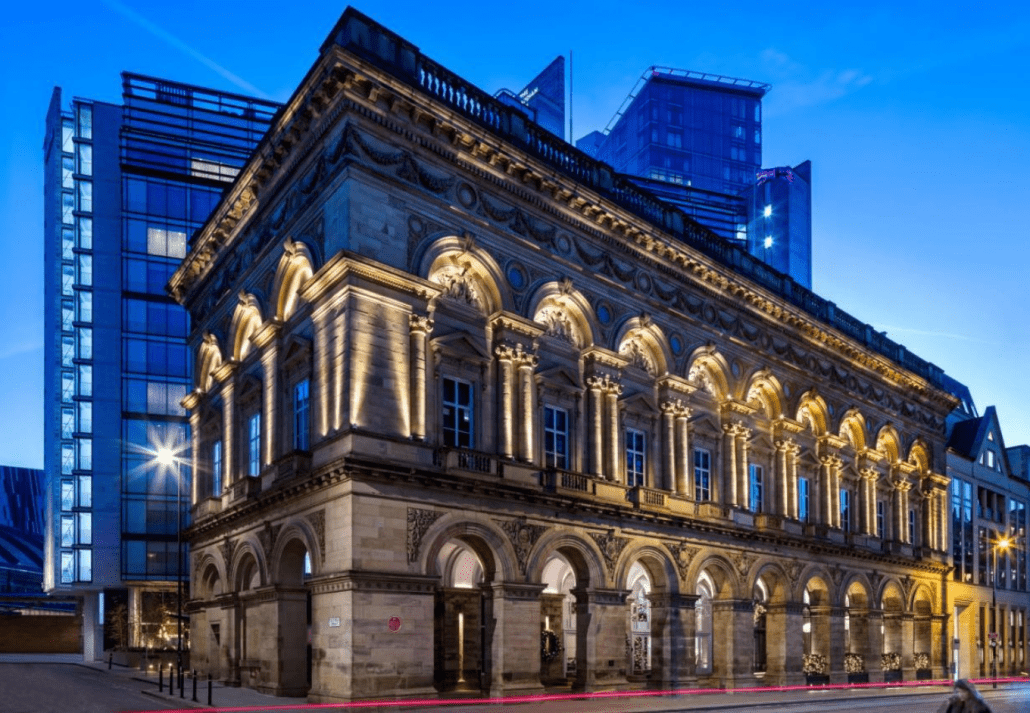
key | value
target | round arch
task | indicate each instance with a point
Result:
(466, 274)
(708, 368)
(722, 574)
(582, 554)
(295, 530)
(246, 321)
(248, 567)
(655, 559)
(209, 358)
(565, 314)
(644, 344)
(919, 456)
(295, 268)
(852, 429)
(812, 412)
(481, 536)
(765, 391)
(889, 443)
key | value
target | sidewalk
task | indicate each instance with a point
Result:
(245, 699)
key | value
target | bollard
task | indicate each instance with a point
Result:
(181, 695)
(208, 689)
(110, 659)
(171, 679)
(194, 685)
(160, 678)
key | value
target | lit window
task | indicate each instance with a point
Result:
(85, 159)
(67, 279)
(86, 196)
(556, 437)
(254, 441)
(85, 417)
(67, 495)
(85, 565)
(67, 422)
(85, 232)
(216, 468)
(85, 300)
(757, 487)
(301, 417)
(803, 499)
(67, 458)
(67, 530)
(85, 380)
(85, 483)
(768, 241)
(990, 459)
(636, 458)
(67, 567)
(85, 454)
(457, 413)
(845, 510)
(85, 528)
(768, 211)
(85, 270)
(85, 121)
(702, 474)
(85, 343)
(68, 208)
(67, 315)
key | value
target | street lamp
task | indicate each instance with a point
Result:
(1000, 544)
(166, 457)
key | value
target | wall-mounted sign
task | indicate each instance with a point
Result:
(334, 621)
(394, 623)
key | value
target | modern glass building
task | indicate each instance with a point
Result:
(125, 187)
(543, 98)
(695, 140)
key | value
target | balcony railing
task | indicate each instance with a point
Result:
(466, 460)
(646, 497)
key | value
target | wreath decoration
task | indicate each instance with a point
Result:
(550, 649)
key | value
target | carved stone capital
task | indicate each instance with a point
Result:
(419, 324)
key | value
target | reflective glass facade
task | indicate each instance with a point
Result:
(126, 186)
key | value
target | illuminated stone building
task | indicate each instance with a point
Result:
(471, 412)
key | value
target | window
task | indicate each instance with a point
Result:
(803, 499)
(85, 335)
(216, 468)
(880, 519)
(674, 139)
(702, 474)
(254, 445)
(85, 159)
(636, 457)
(67, 567)
(67, 422)
(757, 487)
(85, 565)
(67, 350)
(85, 276)
(912, 526)
(67, 279)
(85, 232)
(67, 495)
(556, 437)
(990, 459)
(67, 530)
(67, 386)
(85, 306)
(85, 483)
(845, 510)
(85, 454)
(85, 528)
(85, 380)
(86, 196)
(85, 112)
(67, 315)
(301, 416)
(457, 413)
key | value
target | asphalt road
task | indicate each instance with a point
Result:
(57, 688)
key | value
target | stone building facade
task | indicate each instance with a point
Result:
(471, 412)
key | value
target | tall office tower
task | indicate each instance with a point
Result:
(779, 230)
(125, 187)
(543, 97)
(695, 140)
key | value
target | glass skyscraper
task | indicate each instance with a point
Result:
(695, 140)
(125, 187)
(543, 97)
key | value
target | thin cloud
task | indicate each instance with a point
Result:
(935, 333)
(178, 44)
(799, 88)
(20, 348)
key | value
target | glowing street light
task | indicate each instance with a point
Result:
(1002, 544)
(166, 457)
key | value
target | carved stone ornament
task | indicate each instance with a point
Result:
(317, 520)
(837, 575)
(907, 583)
(268, 536)
(459, 285)
(698, 374)
(639, 356)
(559, 325)
(874, 582)
(794, 571)
(742, 561)
(683, 555)
(419, 522)
(611, 547)
(228, 551)
(523, 537)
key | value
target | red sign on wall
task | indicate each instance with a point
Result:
(394, 623)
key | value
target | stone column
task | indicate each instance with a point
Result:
(596, 426)
(269, 402)
(506, 394)
(781, 506)
(228, 432)
(876, 625)
(526, 363)
(319, 376)
(792, 481)
(515, 644)
(195, 459)
(826, 504)
(908, 630)
(419, 328)
(684, 479)
(903, 488)
(601, 629)
(733, 649)
(669, 454)
(729, 465)
(859, 624)
(867, 507)
(743, 476)
(611, 404)
(785, 644)
(837, 651)
(672, 639)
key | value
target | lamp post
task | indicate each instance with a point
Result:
(166, 457)
(999, 544)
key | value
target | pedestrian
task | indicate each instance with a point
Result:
(965, 699)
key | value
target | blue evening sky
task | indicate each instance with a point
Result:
(915, 118)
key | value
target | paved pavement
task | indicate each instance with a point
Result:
(916, 697)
